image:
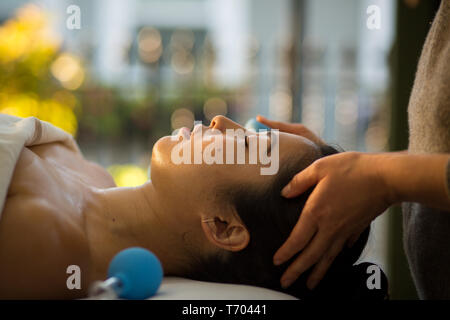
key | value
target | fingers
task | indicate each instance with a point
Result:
(300, 236)
(294, 128)
(301, 182)
(270, 123)
(324, 264)
(310, 256)
(282, 126)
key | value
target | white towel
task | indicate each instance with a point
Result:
(17, 133)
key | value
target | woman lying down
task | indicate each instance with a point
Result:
(211, 222)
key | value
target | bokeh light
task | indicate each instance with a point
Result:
(182, 118)
(183, 62)
(29, 59)
(213, 107)
(27, 35)
(128, 175)
(67, 69)
(150, 45)
(53, 111)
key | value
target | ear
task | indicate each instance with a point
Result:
(228, 233)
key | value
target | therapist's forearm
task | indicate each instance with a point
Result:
(419, 178)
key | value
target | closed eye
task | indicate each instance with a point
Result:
(269, 146)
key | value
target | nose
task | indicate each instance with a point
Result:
(221, 123)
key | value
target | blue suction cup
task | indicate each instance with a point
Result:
(139, 272)
(256, 126)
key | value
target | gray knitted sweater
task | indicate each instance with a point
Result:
(426, 231)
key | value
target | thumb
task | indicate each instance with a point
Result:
(301, 182)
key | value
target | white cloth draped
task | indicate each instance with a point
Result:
(17, 133)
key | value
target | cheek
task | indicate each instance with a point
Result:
(192, 180)
(169, 177)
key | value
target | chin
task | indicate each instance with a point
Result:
(161, 150)
(159, 153)
(160, 161)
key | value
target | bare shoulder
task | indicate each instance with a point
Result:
(93, 174)
(43, 227)
(101, 177)
(37, 245)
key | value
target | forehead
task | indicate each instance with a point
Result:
(294, 147)
(293, 150)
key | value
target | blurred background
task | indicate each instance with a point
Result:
(118, 75)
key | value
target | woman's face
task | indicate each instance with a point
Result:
(190, 189)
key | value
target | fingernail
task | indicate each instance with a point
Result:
(286, 283)
(286, 190)
(277, 262)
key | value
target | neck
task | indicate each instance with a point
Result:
(123, 217)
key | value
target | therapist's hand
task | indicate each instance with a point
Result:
(294, 128)
(349, 194)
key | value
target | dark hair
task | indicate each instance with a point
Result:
(269, 219)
